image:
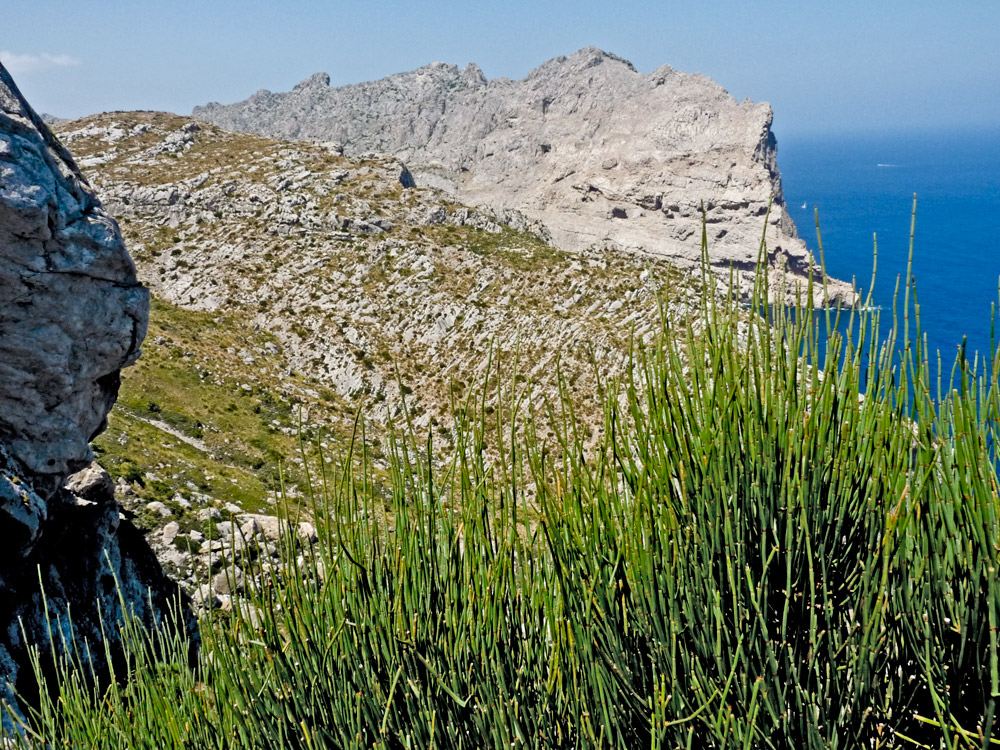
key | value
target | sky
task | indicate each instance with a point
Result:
(836, 66)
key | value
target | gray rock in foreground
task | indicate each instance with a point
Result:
(72, 314)
(601, 154)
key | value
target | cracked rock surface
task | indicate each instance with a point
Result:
(72, 314)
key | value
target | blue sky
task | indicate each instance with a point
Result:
(840, 66)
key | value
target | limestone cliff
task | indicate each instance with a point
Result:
(72, 314)
(601, 154)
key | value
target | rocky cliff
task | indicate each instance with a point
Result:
(601, 154)
(72, 314)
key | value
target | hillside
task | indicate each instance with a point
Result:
(291, 282)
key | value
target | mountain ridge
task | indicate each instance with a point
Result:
(602, 155)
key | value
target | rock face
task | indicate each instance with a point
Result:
(602, 155)
(72, 314)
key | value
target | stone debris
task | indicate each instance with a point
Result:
(225, 548)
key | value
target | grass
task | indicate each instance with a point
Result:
(239, 425)
(784, 538)
(513, 248)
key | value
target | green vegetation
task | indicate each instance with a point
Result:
(786, 538)
(515, 249)
(232, 426)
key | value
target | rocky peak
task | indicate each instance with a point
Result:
(601, 154)
(315, 81)
(584, 59)
(472, 75)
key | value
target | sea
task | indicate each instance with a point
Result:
(863, 188)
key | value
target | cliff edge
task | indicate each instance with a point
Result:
(604, 156)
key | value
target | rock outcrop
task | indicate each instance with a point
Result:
(72, 314)
(601, 154)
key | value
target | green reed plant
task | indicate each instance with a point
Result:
(784, 536)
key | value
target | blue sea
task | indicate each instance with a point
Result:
(864, 185)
